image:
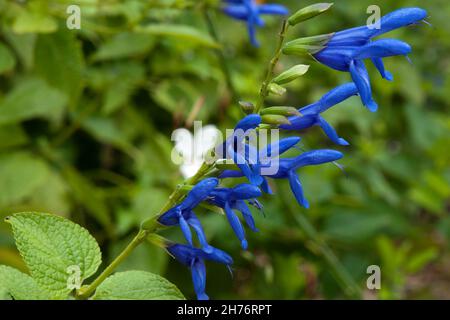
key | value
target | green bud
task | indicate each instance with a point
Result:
(291, 74)
(247, 107)
(276, 89)
(282, 111)
(302, 50)
(274, 119)
(319, 40)
(223, 164)
(308, 13)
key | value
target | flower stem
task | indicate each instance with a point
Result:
(264, 91)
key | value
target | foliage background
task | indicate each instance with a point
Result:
(86, 118)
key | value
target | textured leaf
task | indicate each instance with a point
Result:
(132, 285)
(7, 59)
(50, 245)
(181, 32)
(29, 99)
(19, 286)
(20, 174)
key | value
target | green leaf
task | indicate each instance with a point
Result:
(23, 45)
(20, 174)
(30, 99)
(19, 286)
(180, 32)
(51, 246)
(124, 45)
(132, 285)
(291, 74)
(59, 60)
(309, 12)
(7, 59)
(12, 135)
(32, 22)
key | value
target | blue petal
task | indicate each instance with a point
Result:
(337, 58)
(198, 271)
(357, 36)
(266, 187)
(273, 9)
(300, 122)
(246, 214)
(278, 148)
(297, 190)
(400, 18)
(382, 48)
(170, 217)
(239, 12)
(236, 225)
(378, 62)
(360, 76)
(244, 191)
(231, 174)
(337, 95)
(331, 133)
(185, 229)
(316, 157)
(199, 193)
(194, 222)
(241, 162)
(249, 122)
(252, 33)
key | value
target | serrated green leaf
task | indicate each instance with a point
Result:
(50, 246)
(7, 59)
(30, 99)
(181, 32)
(20, 174)
(132, 285)
(19, 286)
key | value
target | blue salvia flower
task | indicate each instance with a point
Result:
(347, 49)
(288, 167)
(311, 114)
(195, 258)
(234, 198)
(250, 11)
(234, 147)
(263, 158)
(184, 216)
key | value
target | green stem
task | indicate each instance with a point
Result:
(86, 292)
(346, 281)
(264, 91)
(148, 227)
(219, 52)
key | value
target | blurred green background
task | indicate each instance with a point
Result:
(85, 123)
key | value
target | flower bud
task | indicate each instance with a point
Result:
(308, 13)
(291, 74)
(274, 119)
(276, 89)
(247, 107)
(281, 111)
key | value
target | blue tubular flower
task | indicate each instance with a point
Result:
(234, 198)
(183, 215)
(194, 258)
(347, 49)
(288, 169)
(263, 158)
(250, 11)
(234, 147)
(311, 114)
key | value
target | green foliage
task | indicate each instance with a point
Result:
(85, 123)
(18, 285)
(137, 285)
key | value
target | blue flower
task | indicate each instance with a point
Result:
(234, 146)
(288, 167)
(183, 215)
(250, 11)
(195, 258)
(234, 198)
(311, 114)
(347, 49)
